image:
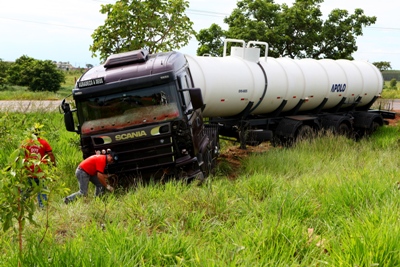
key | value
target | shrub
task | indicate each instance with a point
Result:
(393, 83)
(37, 75)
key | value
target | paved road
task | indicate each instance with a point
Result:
(29, 105)
(388, 104)
(52, 105)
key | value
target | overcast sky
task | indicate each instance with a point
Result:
(61, 30)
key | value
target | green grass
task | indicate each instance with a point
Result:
(329, 202)
(391, 93)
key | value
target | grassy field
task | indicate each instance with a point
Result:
(329, 202)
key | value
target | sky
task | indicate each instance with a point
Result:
(60, 30)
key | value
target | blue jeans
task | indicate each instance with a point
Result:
(83, 180)
(40, 196)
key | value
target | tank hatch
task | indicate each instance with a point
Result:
(126, 58)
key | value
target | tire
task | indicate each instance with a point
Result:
(374, 126)
(344, 130)
(361, 133)
(305, 132)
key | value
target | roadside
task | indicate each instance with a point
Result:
(52, 105)
(29, 105)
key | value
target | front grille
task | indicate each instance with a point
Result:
(142, 154)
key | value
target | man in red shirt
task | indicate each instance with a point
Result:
(41, 150)
(92, 170)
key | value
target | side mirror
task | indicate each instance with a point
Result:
(69, 122)
(196, 97)
(65, 106)
(68, 116)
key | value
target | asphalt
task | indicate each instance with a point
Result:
(29, 105)
(388, 104)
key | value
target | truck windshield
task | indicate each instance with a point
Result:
(128, 108)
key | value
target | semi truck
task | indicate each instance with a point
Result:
(163, 114)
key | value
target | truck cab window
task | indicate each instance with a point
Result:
(129, 107)
(183, 83)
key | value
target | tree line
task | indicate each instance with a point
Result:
(36, 75)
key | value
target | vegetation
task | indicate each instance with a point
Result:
(393, 83)
(211, 41)
(12, 92)
(17, 192)
(37, 75)
(4, 66)
(382, 65)
(317, 204)
(390, 92)
(133, 24)
(391, 74)
(297, 31)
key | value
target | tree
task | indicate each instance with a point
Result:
(18, 73)
(4, 66)
(156, 25)
(211, 41)
(37, 75)
(382, 65)
(297, 31)
(393, 83)
(18, 193)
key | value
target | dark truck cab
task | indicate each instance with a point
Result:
(144, 108)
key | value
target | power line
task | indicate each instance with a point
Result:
(47, 23)
(207, 13)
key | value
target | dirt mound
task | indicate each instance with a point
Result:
(396, 120)
(234, 155)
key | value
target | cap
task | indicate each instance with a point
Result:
(113, 155)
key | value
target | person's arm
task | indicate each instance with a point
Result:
(52, 158)
(48, 150)
(103, 180)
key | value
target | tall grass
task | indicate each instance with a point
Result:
(329, 202)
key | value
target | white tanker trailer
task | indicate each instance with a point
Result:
(163, 114)
(228, 84)
(289, 96)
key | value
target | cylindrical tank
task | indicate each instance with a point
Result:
(229, 83)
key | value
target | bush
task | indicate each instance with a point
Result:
(4, 66)
(37, 75)
(393, 83)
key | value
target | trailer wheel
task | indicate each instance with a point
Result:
(344, 130)
(375, 125)
(361, 133)
(305, 132)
